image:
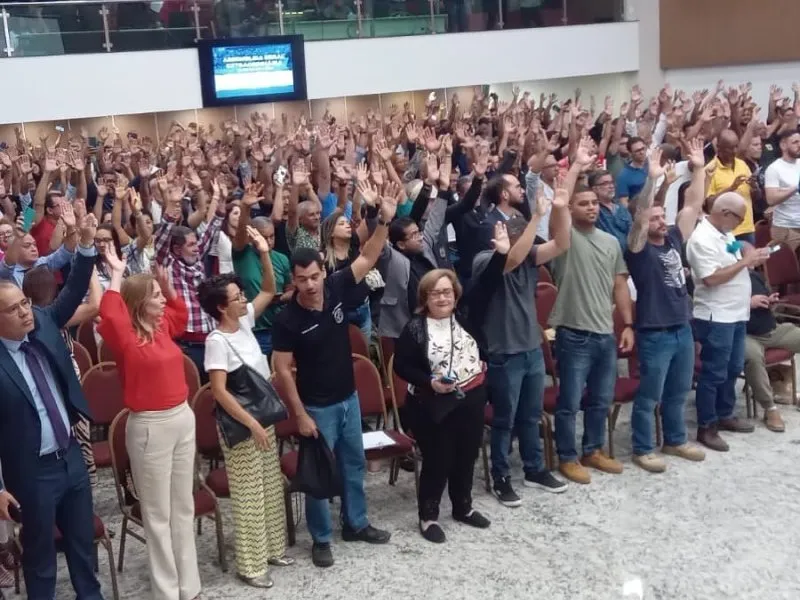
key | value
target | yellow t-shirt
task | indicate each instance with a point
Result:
(723, 178)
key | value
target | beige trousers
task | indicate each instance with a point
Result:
(786, 235)
(785, 336)
(161, 445)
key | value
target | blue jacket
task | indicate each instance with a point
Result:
(20, 428)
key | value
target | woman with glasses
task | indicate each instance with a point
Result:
(437, 354)
(6, 235)
(254, 473)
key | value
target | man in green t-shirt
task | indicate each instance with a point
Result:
(247, 265)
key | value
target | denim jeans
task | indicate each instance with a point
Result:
(516, 390)
(666, 367)
(722, 355)
(585, 360)
(196, 351)
(340, 424)
(362, 318)
(264, 339)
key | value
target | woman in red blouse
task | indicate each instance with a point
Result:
(140, 316)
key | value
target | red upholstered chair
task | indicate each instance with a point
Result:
(204, 407)
(103, 390)
(625, 388)
(104, 353)
(398, 388)
(358, 343)
(763, 235)
(205, 502)
(287, 433)
(82, 357)
(546, 294)
(782, 272)
(85, 336)
(373, 404)
(544, 275)
(192, 376)
(772, 357)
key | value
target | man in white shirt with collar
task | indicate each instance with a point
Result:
(721, 309)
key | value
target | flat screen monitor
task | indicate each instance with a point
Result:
(252, 70)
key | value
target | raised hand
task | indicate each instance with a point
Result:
(368, 192)
(584, 155)
(257, 240)
(68, 214)
(696, 156)
(88, 229)
(481, 163)
(655, 168)
(389, 201)
(561, 193)
(162, 277)
(362, 172)
(432, 164)
(299, 174)
(50, 162)
(383, 150)
(500, 241)
(253, 194)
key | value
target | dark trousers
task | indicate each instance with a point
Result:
(449, 451)
(196, 351)
(59, 494)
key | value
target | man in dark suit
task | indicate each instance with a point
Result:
(45, 481)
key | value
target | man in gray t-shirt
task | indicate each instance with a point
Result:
(515, 375)
(591, 278)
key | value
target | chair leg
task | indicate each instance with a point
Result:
(123, 536)
(392, 479)
(794, 382)
(223, 560)
(746, 391)
(106, 541)
(290, 527)
(96, 559)
(417, 460)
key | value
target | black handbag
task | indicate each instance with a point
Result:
(256, 395)
(316, 474)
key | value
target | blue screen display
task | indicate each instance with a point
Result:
(241, 71)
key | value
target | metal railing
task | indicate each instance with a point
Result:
(52, 27)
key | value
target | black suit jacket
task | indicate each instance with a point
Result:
(20, 428)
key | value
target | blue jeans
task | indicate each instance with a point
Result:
(722, 354)
(666, 360)
(362, 318)
(516, 390)
(264, 339)
(340, 424)
(585, 360)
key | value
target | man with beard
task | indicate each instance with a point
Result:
(781, 183)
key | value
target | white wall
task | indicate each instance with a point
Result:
(616, 85)
(88, 85)
(760, 75)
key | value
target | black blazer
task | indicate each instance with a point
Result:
(20, 428)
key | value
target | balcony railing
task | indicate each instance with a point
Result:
(42, 28)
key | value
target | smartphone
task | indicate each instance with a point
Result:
(15, 513)
(28, 215)
(773, 248)
(447, 380)
(280, 175)
(60, 128)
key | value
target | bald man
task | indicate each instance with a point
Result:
(731, 174)
(720, 266)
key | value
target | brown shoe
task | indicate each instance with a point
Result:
(736, 425)
(574, 472)
(709, 437)
(601, 462)
(773, 420)
(686, 451)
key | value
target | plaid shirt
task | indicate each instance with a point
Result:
(185, 277)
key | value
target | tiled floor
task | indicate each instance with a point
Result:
(724, 528)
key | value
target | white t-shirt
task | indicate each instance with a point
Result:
(707, 252)
(223, 249)
(671, 199)
(220, 356)
(784, 174)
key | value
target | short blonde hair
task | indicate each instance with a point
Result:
(429, 281)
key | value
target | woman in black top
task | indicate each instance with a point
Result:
(438, 355)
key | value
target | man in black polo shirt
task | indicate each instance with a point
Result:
(663, 312)
(311, 334)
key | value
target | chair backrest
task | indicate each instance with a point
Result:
(544, 275)
(398, 386)
(358, 343)
(86, 337)
(631, 356)
(82, 357)
(546, 294)
(192, 375)
(369, 388)
(103, 390)
(763, 234)
(288, 427)
(120, 461)
(104, 353)
(387, 351)
(204, 406)
(781, 268)
(549, 359)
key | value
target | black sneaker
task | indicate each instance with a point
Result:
(474, 519)
(369, 534)
(546, 481)
(321, 555)
(433, 533)
(505, 493)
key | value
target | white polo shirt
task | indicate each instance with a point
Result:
(707, 252)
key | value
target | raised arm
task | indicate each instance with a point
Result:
(267, 293)
(637, 236)
(88, 310)
(371, 250)
(693, 204)
(252, 195)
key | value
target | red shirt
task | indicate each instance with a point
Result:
(42, 232)
(148, 370)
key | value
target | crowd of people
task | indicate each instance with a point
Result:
(255, 245)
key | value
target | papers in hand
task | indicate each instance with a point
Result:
(376, 439)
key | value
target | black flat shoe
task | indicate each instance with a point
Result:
(474, 519)
(433, 533)
(369, 534)
(321, 555)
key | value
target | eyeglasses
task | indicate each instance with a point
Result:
(734, 214)
(104, 240)
(24, 304)
(604, 183)
(414, 234)
(448, 293)
(238, 297)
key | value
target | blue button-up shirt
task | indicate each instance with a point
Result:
(54, 261)
(617, 221)
(48, 444)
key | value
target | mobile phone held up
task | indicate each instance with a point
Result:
(15, 513)
(446, 380)
(28, 215)
(773, 248)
